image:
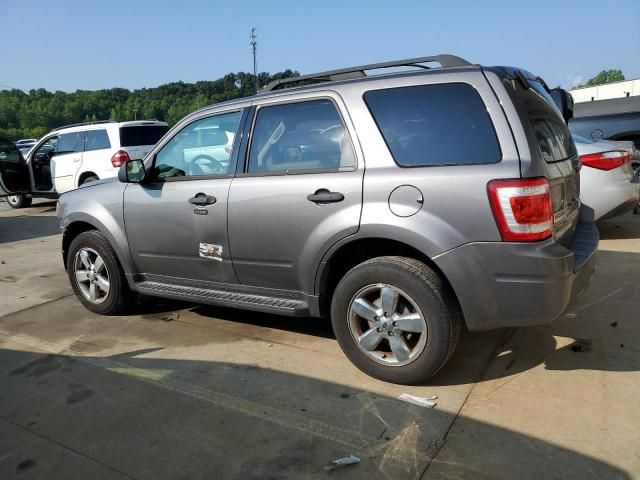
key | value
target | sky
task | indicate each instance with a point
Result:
(73, 45)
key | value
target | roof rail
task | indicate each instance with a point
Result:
(83, 123)
(445, 60)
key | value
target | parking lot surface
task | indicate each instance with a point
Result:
(186, 391)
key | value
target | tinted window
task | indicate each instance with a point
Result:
(97, 140)
(134, 136)
(553, 140)
(434, 125)
(8, 151)
(201, 148)
(543, 123)
(70, 142)
(299, 137)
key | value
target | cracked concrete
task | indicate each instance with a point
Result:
(186, 391)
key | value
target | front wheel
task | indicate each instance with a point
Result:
(396, 319)
(19, 201)
(96, 275)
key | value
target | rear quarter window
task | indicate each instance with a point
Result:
(427, 125)
(138, 135)
(97, 140)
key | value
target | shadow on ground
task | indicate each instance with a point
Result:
(590, 340)
(26, 225)
(127, 416)
(626, 226)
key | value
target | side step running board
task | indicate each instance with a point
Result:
(277, 305)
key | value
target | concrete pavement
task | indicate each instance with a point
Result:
(186, 391)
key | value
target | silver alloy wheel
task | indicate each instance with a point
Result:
(91, 275)
(387, 325)
(13, 199)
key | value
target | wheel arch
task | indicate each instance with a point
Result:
(84, 175)
(343, 258)
(78, 226)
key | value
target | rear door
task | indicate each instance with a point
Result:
(300, 191)
(67, 160)
(14, 173)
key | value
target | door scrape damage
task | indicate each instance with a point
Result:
(209, 250)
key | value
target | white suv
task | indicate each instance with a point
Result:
(69, 156)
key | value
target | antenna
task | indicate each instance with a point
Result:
(254, 43)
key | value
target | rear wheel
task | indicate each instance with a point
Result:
(90, 178)
(96, 275)
(19, 201)
(396, 319)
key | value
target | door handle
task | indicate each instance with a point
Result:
(203, 199)
(325, 196)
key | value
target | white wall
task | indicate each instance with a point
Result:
(603, 92)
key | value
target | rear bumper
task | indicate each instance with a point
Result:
(503, 284)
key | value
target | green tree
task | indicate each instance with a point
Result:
(33, 114)
(605, 76)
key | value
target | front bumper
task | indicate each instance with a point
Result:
(505, 284)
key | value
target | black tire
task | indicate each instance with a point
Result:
(428, 291)
(90, 178)
(120, 298)
(19, 201)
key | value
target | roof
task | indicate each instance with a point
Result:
(97, 124)
(320, 80)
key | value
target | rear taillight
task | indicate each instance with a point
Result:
(605, 160)
(119, 158)
(522, 208)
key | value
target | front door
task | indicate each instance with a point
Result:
(14, 173)
(176, 222)
(301, 190)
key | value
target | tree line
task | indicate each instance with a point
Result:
(32, 114)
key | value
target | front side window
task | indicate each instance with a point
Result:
(428, 125)
(46, 150)
(201, 148)
(97, 140)
(300, 137)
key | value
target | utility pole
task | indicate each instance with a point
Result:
(254, 43)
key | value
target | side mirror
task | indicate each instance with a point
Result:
(564, 102)
(132, 172)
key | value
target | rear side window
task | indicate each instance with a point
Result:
(70, 142)
(134, 136)
(427, 125)
(300, 137)
(97, 140)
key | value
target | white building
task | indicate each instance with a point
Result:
(625, 88)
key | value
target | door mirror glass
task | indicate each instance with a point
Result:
(132, 172)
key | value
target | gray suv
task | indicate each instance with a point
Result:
(401, 205)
